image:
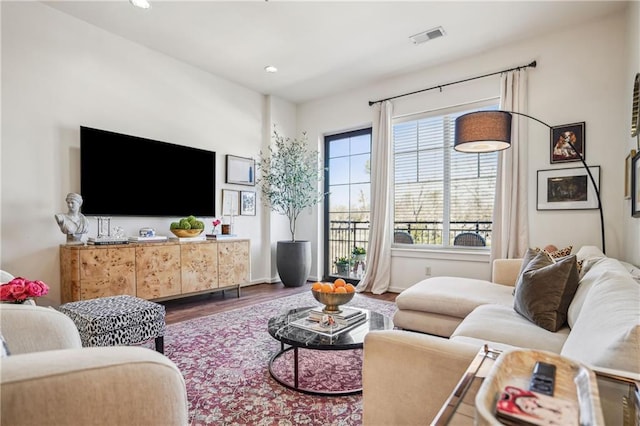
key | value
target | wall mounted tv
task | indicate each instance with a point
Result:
(122, 175)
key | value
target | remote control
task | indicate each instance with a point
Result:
(543, 378)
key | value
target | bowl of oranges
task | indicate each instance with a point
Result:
(332, 295)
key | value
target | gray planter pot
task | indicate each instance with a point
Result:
(343, 268)
(293, 259)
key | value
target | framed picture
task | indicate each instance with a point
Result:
(627, 174)
(561, 151)
(240, 170)
(567, 189)
(635, 185)
(247, 203)
(230, 202)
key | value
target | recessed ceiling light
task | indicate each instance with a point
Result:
(270, 68)
(142, 4)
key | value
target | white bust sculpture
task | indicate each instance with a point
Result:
(73, 223)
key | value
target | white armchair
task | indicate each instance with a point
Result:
(49, 378)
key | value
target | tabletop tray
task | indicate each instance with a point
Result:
(574, 382)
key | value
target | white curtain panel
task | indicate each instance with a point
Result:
(510, 234)
(378, 274)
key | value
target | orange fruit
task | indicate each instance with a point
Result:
(339, 282)
(317, 286)
(349, 288)
(327, 288)
(340, 290)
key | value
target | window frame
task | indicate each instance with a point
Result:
(446, 225)
(328, 138)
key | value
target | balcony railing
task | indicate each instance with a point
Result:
(345, 234)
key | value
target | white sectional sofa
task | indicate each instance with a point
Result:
(408, 374)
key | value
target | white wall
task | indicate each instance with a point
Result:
(581, 76)
(59, 73)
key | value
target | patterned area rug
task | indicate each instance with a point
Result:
(224, 359)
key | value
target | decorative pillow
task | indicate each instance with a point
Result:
(551, 256)
(560, 253)
(545, 289)
(527, 258)
(4, 349)
(557, 254)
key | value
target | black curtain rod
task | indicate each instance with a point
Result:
(440, 86)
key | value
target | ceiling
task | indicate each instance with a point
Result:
(325, 47)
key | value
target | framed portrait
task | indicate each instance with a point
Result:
(561, 151)
(230, 202)
(247, 203)
(627, 174)
(635, 185)
(240, 170)
(567, 189)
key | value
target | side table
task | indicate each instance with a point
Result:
(460, 407)
(617, 394)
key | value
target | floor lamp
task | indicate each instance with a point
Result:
(488, 131)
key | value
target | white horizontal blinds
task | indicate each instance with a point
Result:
(439, 192)
(419, 173)
(473, 184)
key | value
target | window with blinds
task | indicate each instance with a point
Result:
(441, 197)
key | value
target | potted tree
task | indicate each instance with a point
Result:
(289, 177)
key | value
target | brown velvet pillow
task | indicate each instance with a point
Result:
(545, 289)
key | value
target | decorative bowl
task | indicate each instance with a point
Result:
(332, 301)
(184, 233)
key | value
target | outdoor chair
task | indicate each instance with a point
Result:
(472, 239)
(402, 237)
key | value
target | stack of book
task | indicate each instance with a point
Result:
(348, 316)
(139, 239)
(103, 241)
(346, 320)
(517, 406)
(221, 236)
(200, 237)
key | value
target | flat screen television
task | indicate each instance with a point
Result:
(122, 175)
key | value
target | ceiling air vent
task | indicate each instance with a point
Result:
(427, 35)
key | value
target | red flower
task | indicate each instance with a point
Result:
(20, 289)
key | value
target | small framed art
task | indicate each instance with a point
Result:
(240, 170)
(561, 151)
(567, 189)
(627, 174)
(635, 185)
(230, 202)
(247, 203)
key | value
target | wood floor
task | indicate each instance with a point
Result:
(197, 306)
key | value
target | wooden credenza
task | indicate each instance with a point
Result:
(157, 271)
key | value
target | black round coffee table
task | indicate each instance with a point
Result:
(282, 329)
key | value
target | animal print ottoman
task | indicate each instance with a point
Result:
(117, 320)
